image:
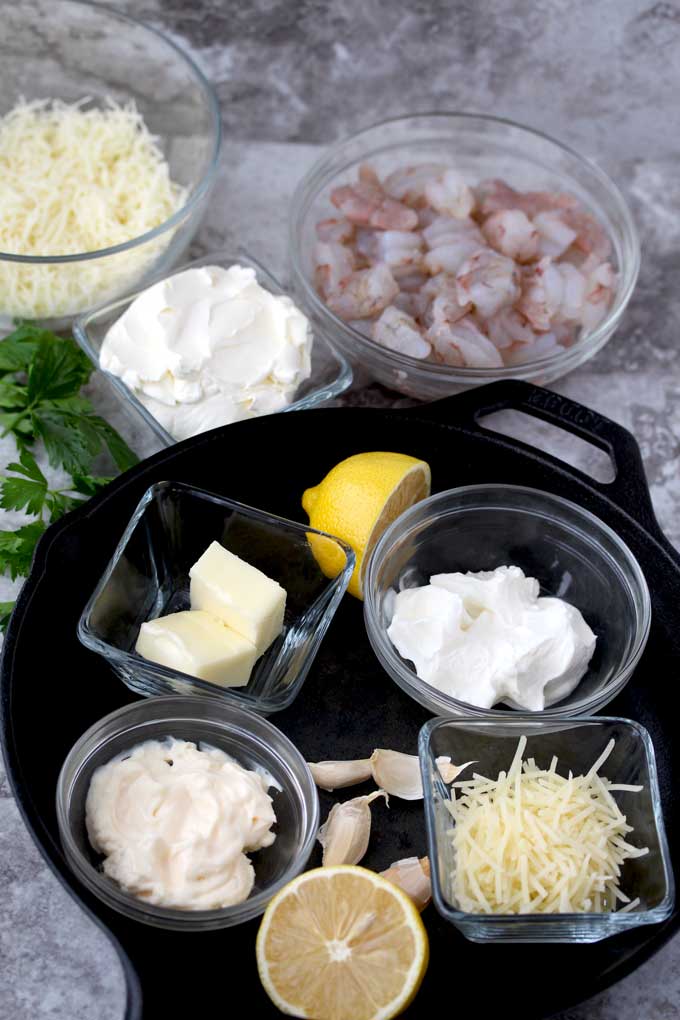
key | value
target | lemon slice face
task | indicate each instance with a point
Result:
(341, 943)
(358, 499)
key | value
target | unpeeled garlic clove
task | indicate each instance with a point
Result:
(412, 875)
(335, 775)
(399, 773)
(345, 834)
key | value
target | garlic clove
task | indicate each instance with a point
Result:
(399, 773)
(345, 834)
(448, 772)
(412, 875)
(335, 775)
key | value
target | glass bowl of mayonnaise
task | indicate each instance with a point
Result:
(151, 799)
(493, 601)
(215, 342)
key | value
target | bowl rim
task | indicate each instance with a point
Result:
(114, 655)
(308, 188)
(615, 919)
(424, 693)
(109, 892)
(202, 187)
(83, 321)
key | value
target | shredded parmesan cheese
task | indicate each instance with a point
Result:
(533, 841)
(76, 180)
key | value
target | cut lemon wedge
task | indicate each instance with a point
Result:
(341, 943)
(357, 500)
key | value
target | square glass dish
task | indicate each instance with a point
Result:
(577, 743)
(331, 373)
(148, 577)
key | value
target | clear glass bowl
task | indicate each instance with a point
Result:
(572, 553)
(331, 373)
(480, 147)
(251, 741)
(577, 743)
(148, 576)
(65, 49)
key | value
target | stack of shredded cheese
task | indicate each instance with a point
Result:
(75, 180)
(533, 841)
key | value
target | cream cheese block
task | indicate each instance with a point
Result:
(239, 594)
(198, 644)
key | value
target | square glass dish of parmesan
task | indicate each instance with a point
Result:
(554, 833)
(206, 595)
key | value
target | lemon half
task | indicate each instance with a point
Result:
(357, 500)
(341, 943)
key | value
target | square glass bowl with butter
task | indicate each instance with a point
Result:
(572, 555)
(229, 601)
(218, 341)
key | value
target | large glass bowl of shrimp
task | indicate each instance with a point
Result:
(447, 250)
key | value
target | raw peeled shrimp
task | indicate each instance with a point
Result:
(463, 344)
(449, 193)
(399, 332)
(334, 264)
(489, 281)
(450, 243)
(401, 250)
(600, 284)
(366, 204)
(559, 292)
(509, 327)
(541, 294)
(545, 344)
(339, 230)
(554, 234)
(511, 232)
(496, 194)
(407, 184)
(590, 237)
(364, 294)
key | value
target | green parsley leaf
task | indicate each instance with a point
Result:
(17, 547)
(68, 439)
(60, 503)
(89, 485)
(17, 349)
(27, 492)
(12, 396)
(123, 456)
(58, 370)
(5, 613)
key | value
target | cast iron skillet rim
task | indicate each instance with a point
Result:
(422, 413)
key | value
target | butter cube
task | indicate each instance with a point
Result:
(238, 594)
(200, 645)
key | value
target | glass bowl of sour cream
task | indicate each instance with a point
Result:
(241, 736)
(572, 555)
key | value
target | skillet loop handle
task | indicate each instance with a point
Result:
(629, 488)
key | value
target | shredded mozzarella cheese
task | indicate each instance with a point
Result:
(76, 180)
(533, 841)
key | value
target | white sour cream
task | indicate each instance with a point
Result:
(488, 637)
(209, 346)
(174, 824)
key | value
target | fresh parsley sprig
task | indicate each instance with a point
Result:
(41, 375)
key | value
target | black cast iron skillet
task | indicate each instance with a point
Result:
(53, 688)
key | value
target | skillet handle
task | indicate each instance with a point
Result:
(629, 489)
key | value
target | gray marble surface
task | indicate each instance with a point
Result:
(602, 76)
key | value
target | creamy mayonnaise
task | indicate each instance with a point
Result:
(488, 637)
(174, 822)
(209, 346)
